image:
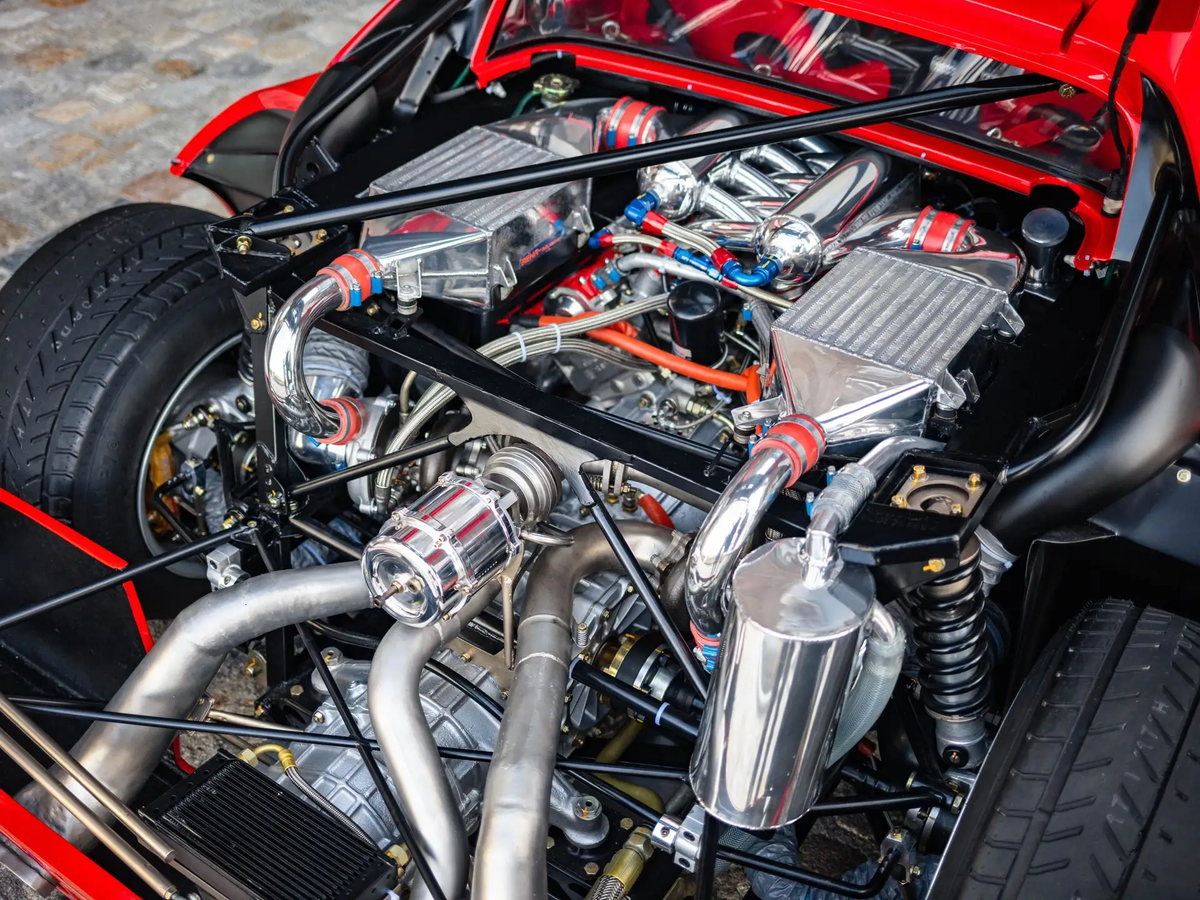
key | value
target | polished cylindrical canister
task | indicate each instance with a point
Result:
(788, 653)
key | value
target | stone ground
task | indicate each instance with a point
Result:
(97, 96)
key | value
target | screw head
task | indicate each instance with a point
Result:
(320, 235)
(592, 868)
(258, 323)
(1067, 91)
(296, 690)
(626, 823)
(243, 245)
(900, 501)
(918, 473)
(974, 481)
(954, 756)
(549, 843)
(1183, 476)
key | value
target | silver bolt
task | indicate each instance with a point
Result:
(1183, 476)
(296, 690)
(319, 717)
(581, 634)
(591, 868)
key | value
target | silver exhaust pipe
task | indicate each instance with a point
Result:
(510, 855)
(416, 769)
(176, 672)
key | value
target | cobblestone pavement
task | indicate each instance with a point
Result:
(97, 96)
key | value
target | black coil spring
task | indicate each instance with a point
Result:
(949, 621)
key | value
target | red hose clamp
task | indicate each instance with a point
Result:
(800, 437)
(358, 274)
(352, 417)
(939, 231)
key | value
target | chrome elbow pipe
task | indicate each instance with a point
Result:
(344, 283)
(782, 455)
(510, 854)
(413, 762)
(680, 185)
(177, 671)
(799, 235)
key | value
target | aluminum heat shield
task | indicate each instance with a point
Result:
(473, 253)
(884, 325)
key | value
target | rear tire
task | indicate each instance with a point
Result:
(98, 328)
(1092, 788)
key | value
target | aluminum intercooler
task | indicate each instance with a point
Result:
(881, 331)
(473, 253)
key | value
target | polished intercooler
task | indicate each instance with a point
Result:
(884, 329)
(473, 253)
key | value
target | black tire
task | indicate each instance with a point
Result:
(1088, 790)
(98, 328)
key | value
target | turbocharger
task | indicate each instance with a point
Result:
(457, 536)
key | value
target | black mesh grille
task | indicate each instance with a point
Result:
(240, 828)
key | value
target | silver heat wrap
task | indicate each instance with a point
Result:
(178, 669)
(787, 655)
(510, 855)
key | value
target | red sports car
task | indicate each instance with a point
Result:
(626, 434)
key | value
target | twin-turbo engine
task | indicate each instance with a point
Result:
(784, 301)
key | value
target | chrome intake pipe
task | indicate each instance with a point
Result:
(802, 234)
(784, 453)
(684, 187)
(351, 278)
(413, 762)
(510, 854)
(177, 671)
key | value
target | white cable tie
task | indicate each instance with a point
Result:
(521, 340)
(658, 715)
(557, 338)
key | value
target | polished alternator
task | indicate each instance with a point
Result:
(430, 556)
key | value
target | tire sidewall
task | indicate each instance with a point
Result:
(106, 482)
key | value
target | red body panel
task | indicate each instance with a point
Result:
(77, 876)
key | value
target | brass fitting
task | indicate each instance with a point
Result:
(628, 862)
(286, 758)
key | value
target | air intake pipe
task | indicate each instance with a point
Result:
(797, 240)
(787, 450)
(346, 282)
(1153, 417)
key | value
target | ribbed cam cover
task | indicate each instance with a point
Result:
(473, 253)
(873, 340)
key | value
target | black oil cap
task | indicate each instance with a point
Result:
(697, 316)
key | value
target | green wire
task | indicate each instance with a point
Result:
(461, 78)
(525, 102)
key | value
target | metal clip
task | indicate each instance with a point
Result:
(761, 412)
(681, 839)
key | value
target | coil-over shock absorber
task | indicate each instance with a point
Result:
(954, 657)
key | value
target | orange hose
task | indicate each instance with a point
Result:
(654, 511)
(753, 385)
(730, 381)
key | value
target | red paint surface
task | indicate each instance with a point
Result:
(281, 96)
(77, 875)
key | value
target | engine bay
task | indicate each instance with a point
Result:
(627, 519)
